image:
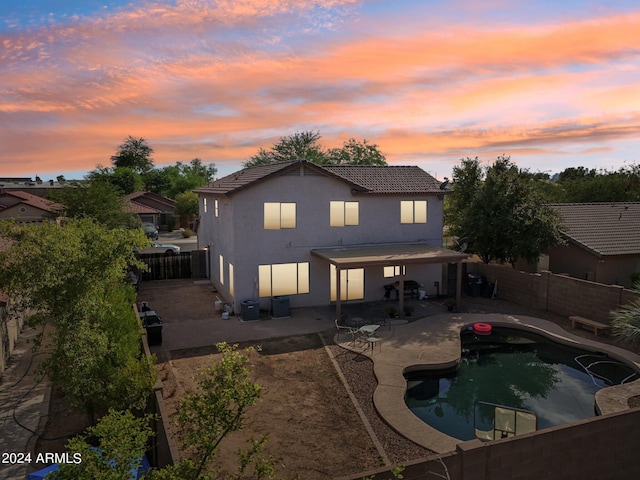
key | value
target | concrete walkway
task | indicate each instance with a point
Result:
(434, 343)
(24, 406)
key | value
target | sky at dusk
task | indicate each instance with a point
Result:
(552, 84)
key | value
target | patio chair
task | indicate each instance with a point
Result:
(346, 329)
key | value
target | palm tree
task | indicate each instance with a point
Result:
(626, 321)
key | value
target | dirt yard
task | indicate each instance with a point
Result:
(313, 428)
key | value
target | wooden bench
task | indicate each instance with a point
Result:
(589, 323)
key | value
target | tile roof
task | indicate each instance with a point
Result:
(603, 228)
(365, 178)
(388, 179)
(35, 201)
(133, 207)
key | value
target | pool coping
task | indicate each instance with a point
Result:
(434, 343)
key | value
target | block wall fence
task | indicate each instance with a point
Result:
(603, 448)
(554, 293)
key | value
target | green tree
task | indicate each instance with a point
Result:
(626, 321)
(125, 179)
(134, 153)
(71, 276)
(501, 212)
(306, 145)
(218, 408)
(187, 204)
(101, 201)
(121, 439)
(186, 177)
(581, 185)
(356, 153)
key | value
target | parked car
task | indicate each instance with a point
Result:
(162, 249)
(150, 230)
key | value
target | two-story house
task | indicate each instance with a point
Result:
(322, 234)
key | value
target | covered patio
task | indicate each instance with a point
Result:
(361, 256)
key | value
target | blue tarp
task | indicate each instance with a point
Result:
(135, 475)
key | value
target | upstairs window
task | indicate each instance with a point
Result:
(215, 207)
(279, 215)
(204, 205)
(344, 213)
(413, 211)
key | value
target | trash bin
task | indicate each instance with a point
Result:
(487, 290)
(250, 310)
(280, 306)
(474, 284)
(153, 325)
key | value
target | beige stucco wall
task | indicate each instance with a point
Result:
(239, 235)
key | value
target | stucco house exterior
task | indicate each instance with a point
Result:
(27, 207)
(152, 208)
(322, 234)
(603, 242)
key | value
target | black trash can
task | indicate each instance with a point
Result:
(280, 306)
(487, 290)
(474, 284)
(153, 325)
(250, 310)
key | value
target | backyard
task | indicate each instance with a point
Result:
(313, 428)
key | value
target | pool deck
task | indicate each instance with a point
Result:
(434, 342)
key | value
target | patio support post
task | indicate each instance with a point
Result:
(401, 294)
(338, 288)
(458, 282)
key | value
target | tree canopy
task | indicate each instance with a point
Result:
(71, 276)
(306, 145)
(100, 200)
(500, 211)
(134, 153)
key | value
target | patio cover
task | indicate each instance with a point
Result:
(355, 256)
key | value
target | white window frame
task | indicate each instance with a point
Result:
(342, 213)
(281, 213)
(266, 276)
(391, 271)
(346, 293)
(413, 211)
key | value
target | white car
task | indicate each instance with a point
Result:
(162, 249)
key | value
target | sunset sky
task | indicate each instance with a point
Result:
(552, 84)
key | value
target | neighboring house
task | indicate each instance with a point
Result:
(36, 187)
(26, 207)
(152, 208)
(322, 234)
(603, 242)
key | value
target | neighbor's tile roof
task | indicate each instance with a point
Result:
(603, 228)
(35, 201)
(365, 178)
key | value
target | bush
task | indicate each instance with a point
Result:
(187, 232)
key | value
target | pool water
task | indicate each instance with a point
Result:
(518, 369)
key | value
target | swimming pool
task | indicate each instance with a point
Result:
(518, 369)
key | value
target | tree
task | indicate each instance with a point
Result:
(135, 154)
(356, 153)
(500, 211)
(218, 408)
(305, 145)
(626, 321)
(121, 438)
(71, 276)
(187, 177)
(187, 204)
(125, 179)
(101, 201)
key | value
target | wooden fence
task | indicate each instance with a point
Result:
(166, 267)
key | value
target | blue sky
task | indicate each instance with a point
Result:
(552, 84)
